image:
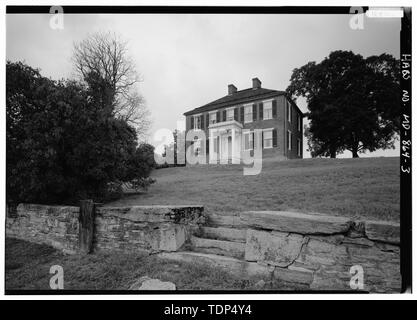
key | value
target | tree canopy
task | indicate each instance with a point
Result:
(62, 144)
(353, 102)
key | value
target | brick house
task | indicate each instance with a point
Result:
(228, 125)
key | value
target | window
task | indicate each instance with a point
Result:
(213, 118)
(248, 114)
(299, 122)
(289, 142)
(248, 140)
(267, 110)
(197, 122)
(289, 111)
(230, 114)
(267, 138)
(299, 147)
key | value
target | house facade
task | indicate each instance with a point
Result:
(244, 120)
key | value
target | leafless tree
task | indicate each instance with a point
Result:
(106, 55)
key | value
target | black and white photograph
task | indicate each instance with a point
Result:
(169, 150)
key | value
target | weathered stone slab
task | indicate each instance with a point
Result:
(294, 275)
(274, 248)
(227, 248)
(172, 237)
(384, 231)
(222, 233)
(125, 234)
(175, 214)
(235, 266)
(224, 221)
(296, 222)
(331, 280)
(379, 278)
(317, 253)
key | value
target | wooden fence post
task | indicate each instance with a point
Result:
(86, 226)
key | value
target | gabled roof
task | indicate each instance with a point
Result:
(239, 97)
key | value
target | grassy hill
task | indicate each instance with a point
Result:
(361, 188)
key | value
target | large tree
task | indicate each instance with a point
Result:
(102, 61)
(353, 102)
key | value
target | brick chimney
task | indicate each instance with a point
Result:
(256, 83)
(231, 89)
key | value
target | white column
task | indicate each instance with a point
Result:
(212, 156)
(222, 149)
(233, 146)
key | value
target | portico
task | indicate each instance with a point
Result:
(225, 140)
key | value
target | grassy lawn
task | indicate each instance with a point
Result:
(27, 268)
(361, 188)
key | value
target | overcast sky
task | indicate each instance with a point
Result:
(188, 60)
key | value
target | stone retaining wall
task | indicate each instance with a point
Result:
(301, 251)
(150, 228)
(320, 252)
(53, 225)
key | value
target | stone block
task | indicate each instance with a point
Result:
(227, 248)
(232, 265)
(172, 237)
(317, 253)
(384, 231)
(274, 248)
(296, 222)
(294, 275)
(222, 233)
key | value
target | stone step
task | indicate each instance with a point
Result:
(219, 247)
(233, 265)
(224, 233)
(217, 220)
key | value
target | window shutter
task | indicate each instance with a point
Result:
(224, 115)
(202, 121)
(254, 112)
(192, 122)
(218, 116)
(262, 139)
(207, 120)
(242, 114)
(274, 138)
(207, 146)
(261, 111)
(236, 116)
(274, 109)
(253, 140)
